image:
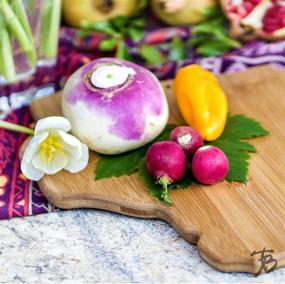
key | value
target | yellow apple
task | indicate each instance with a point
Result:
(181, 12)
(75, 11)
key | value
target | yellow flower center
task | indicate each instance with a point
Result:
(49, 147)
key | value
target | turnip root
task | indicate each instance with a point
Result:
(210, 165)
(166, 163)
(188, 138)
(114, 106)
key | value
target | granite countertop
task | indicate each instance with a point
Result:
(87, 246)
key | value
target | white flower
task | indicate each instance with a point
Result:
(52, 149)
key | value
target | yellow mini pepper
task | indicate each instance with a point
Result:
(201, 101)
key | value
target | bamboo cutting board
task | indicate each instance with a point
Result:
(226, 221)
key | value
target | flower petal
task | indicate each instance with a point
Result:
(52, 123)
(32, 146)
(57, 163)
(30, 171)
(77, 165)
(72, 145)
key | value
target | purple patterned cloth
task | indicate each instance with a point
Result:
(19, 196)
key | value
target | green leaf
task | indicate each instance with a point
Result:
(151, 54)
(119, 22)
(208, 26)
(212, 49)
(213, 12)
(125, 164)
(102, 27)
(122, 52)
(178, 50)
(201, 29)
(138, 22)
(135, 34)
(210, 38)
(107, 44)
(231, 142)
(225, 40)
(118, 165)
(194, 41)
(242, 127)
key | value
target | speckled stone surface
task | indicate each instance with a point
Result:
(87, 246)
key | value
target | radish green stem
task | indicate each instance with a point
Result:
(165, 182)
(16, 127)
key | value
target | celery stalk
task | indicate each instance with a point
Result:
(46, 12)
(17, 29)
(19, 10)
(20, 13)
(1, 31)
(2, 76)
(6, 56)
(52, 40)
(1, 65)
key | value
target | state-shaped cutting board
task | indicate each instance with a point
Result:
(227, 221)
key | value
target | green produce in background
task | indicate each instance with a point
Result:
(16, 35)
(209, 38)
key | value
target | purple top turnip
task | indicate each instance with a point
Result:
(188, 138)
(210, 165)
(114, 105)
(166, 163)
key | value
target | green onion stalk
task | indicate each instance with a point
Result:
(51, 11)
(14, 25)
(15, 127)
(7, 66)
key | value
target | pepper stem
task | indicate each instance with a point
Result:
(165, 182)
(16, 127)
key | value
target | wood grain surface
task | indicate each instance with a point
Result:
(227, 221)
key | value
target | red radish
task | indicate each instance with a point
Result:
(210, 165)
(188, 138)
(166, 163)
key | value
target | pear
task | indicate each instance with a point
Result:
(181, 12)
(75, 11)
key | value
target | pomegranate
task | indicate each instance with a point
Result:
(256, 18)
(242, 8)
(274, 19)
